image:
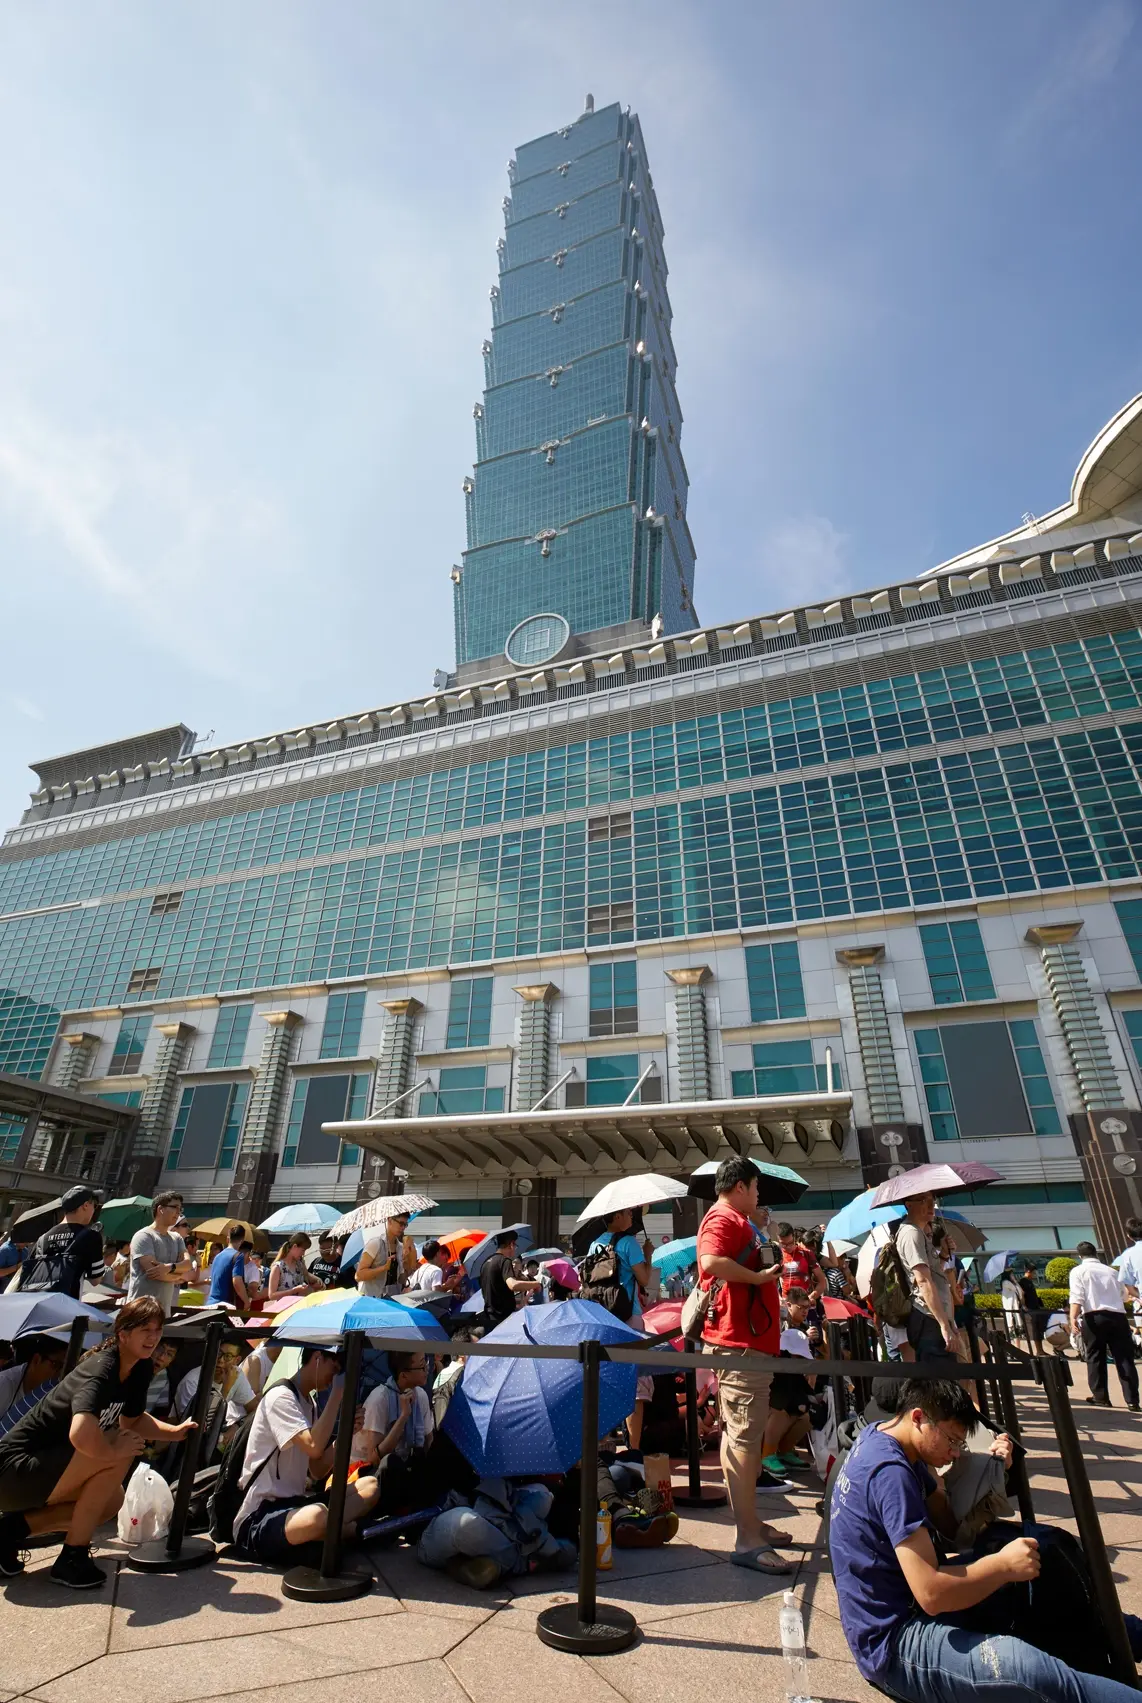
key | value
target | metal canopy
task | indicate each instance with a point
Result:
(38, 1104)
(589, 1140)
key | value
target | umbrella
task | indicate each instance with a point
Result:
(474, 1305)
(835, 1249)
(288, 1304)
(30, 1225)
(667, 1315)
(511, 1417)
(377, 1211)
(854, 1221)
(563, 1272)
(308, 1215)
(40, 1311)
(837, 1308)
(779, 1186)
(457, 1244)
(998, 1263)
(121, 1218)
(934, 1179)
(629, 1192)
(475, 1257)
(543, 1254)
(964, 1237)
(675, 1256)
(867, 1258)
(218, 1230)
(370, 1313)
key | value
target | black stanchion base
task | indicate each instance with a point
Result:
(309, 1584)
(153, 1557)
(707, 1497)
(612, 1629)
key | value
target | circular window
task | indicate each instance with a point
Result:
(537, 640)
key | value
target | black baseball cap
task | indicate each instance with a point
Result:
(79, 1196)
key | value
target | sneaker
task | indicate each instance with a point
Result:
(767, 1480)
(775, 1465)
(478, 1572)
(794, 1463)
(1133, 1407)
(74, 1568)
(12, 1551)
(1094, 1401)
(645, 1531)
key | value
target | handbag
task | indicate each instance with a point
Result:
(698, 1307)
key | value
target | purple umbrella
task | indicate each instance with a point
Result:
(934, 1179)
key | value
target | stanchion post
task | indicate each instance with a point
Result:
(859, 1336)
(583, 1628)
(840, 1393)
(79, 1327)
(337, 1579)
(973, 1344)
(177, 1553)
(1010, 1415)
(696, 1495)
(1086, 1517)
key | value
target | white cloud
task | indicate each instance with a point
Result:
(25, 707)
(803, 559)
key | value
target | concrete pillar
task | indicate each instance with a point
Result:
(534, 1202)
(1107, 1134)
(41, 1142)
(692, 1030)
(887, 1143)
(143, 1164)
(393, 1077)
(532, 1072)
(257, 1162)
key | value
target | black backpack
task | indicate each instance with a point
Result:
(1058, 1612)
(599, 1282)
(228, 1493)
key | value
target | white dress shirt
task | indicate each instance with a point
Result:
(1096, 1287)
(1130, 1266)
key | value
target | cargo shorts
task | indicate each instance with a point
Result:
(743, 1401)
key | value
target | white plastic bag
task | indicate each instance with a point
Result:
(147, 1508)
(824, 1444)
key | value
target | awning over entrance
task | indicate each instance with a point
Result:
(66, 1114)
(593, 1140)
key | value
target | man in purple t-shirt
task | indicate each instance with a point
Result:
(898, 1602)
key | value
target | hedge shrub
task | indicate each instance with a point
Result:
(1059, 1269)
(1054, 1301)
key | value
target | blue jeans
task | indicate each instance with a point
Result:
(464, 1532)
(934, 1662)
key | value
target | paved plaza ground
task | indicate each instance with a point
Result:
(708, 1630)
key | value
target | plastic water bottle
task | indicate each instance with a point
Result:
(603, 1557)
(793, 1649)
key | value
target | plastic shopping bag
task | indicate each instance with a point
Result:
(147, 1508)
(824, 1444)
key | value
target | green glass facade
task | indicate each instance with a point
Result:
(577, 502)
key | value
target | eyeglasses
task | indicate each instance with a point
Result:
(956, 1445)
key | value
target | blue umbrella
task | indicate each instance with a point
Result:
(998, 1263)
(676, 1255)
(307, 1215)
(856, 1219)
(370, 1313)
(475, 1257)
(474, 1304)
(43, 1310)
(524, 1416)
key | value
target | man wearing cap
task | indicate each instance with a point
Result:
(69, 1257)
(499, 1283)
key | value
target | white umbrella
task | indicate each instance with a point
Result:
(866, 1259)
(841, 1247)
(377, 1211)
(630, 1192)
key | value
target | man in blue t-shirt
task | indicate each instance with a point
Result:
(634, 1260)
(228, 1273)
(899, 1603)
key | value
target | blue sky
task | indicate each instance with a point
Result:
(244, 267)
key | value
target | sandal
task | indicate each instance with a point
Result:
(755, 1560)
(773, 1537)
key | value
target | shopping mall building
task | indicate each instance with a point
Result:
(843, 885)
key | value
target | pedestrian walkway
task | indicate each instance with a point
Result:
(709, 1630)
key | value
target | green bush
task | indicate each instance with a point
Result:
(1059, 1269)
(1054, 1300)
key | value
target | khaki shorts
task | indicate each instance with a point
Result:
(743, 1401)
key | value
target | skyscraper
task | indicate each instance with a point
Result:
(576, 507)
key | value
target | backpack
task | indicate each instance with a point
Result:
(599, 1281)
(1058, 1612)
(228, 1493)
(891, 1288)
(53, 1266)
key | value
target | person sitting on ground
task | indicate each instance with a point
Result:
(397, 1433)
(387, 1259)
(902, 1607)
(231, 1384)
(498, 1281)
(228, 1273)
(289, 1277)
(1098, 1310)
(160, 1392)
(288, 1445)
(789, 1422)
(634, 1258)
(159, 1266)
(62, 1466)
(68, 1258)
(37, 1370)
(258, 1364)
(324, 1267)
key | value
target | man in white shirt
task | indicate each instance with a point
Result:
(1130, 1265)
(289, 1445)
(1096, 1299)
(430, 1274)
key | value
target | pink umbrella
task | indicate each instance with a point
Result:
(934, 1179)
(563, 1272)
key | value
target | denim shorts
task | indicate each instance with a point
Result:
(262, 1535)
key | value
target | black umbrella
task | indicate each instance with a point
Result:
(779, 1186)
(30, 1225)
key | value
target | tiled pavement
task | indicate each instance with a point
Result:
(707, 1629)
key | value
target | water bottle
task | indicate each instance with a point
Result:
(603, 1557)
(793, 1649)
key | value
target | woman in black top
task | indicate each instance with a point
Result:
(62, 1466)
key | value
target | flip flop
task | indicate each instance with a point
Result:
(752, 1558)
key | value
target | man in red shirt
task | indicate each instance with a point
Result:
(740, 1272)
(800, 1267)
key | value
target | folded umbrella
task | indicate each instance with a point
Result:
(628, 1192)
(676, 1255)
(369, 1313)
(934, 1179)
(779, 1186)
(119, 1219)
(512, 1417)
(377, 1211)
(475, 1257)
(306, 1215)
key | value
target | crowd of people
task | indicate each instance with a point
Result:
(914, 1507)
